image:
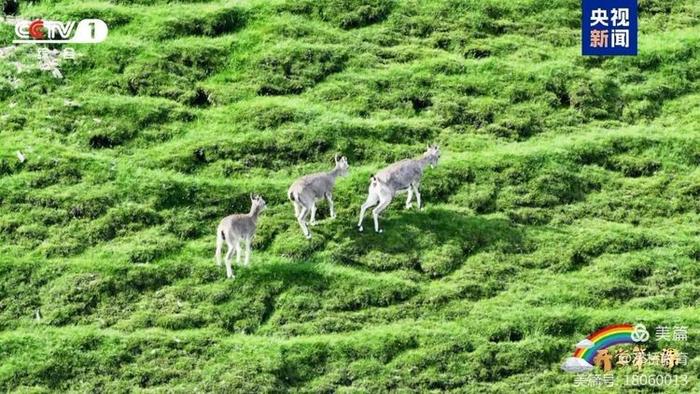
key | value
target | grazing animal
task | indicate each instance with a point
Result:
(404, 175)
(236, 228)
(306, 190)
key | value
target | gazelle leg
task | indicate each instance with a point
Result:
(238, 252)
(301, 218)
(219, 245)
(229, 257)
(247, 252)
(408, 199)
(296, 209)
(329, 197)
(313, 215)
(417, 193)
(375, 213)
(372, 200)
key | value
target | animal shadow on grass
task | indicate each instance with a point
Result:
(409, 234)
(263, 284)
(274, 277)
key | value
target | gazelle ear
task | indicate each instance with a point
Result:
(251, 197)
(335, 158)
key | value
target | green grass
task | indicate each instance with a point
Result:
(567, 197)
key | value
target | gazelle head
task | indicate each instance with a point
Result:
(432, 154)
(341, 165)
(257, 203)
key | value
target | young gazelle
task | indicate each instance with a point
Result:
(404, 175)
(306, 190)
(236, 228)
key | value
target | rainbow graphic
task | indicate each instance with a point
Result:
(615, 334)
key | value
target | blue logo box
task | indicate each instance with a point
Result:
(609, 27)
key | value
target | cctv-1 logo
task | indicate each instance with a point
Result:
(87, 31)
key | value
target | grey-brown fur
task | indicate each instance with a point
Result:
(236, 228)
(404, 175)
(306, 190)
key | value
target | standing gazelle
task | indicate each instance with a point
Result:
(306, 190)
(236, 228)
(401, 176)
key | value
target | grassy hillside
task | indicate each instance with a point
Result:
(567, 197)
